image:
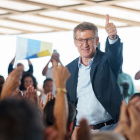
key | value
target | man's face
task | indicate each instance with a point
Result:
(48, 87)
(88, 48)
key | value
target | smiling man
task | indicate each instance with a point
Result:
(93, 87)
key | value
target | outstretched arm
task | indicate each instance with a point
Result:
(45, 69)
(11, 83)
(30, 67)
(60, 75)
(114, 53)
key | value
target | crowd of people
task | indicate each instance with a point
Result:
(80, 101)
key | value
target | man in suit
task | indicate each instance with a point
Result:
(92, 86)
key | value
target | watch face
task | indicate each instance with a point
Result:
(61, 90)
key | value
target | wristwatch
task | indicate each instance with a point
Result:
(61, 90)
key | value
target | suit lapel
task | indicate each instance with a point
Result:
(94, 64)
(74, 80)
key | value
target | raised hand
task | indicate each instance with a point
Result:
(11, 83)
(48, 98)
(60, 75)
(123, 124)
(31, 94)
(84, 131)
(129, 121)
(110, 29)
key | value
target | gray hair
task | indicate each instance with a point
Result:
(85, 26)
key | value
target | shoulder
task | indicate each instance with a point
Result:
(73, 63)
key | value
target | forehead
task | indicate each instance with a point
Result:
(85, 34)
(28, 78)
(48, 82)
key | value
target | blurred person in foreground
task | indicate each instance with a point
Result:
(48, 117)
(19, 120)
(10, 68)
(92, 87)
(129, 121)
(48, 71)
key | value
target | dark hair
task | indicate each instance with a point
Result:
(134, 95)
(48, 117)
(0, 90)
(47, 79)
(22, 81)
(19, 120)
(19, 64)
(2, 81)
(85, 26)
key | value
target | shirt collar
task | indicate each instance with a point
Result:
(80, 62)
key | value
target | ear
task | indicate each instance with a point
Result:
(97, 41)
(70, 126)
(43, 86)
(75, 43)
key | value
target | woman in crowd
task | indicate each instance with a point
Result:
(27, 80)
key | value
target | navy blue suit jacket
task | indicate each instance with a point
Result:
(103, 74)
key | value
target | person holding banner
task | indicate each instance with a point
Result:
(92, 86)
(10, 68)
(48, 71)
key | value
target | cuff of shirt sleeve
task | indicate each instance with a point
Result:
(112, 41)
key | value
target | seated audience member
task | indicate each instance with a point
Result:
(48, 117)
(48, 71)
(48, 87)
(125, 82)
(19, 120)
(27, 80)
(10, 68)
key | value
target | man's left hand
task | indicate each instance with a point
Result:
(110, 29)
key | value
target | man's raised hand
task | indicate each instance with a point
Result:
(60, 75)
(11, 83)
(31, 94)
(49, 97)
(110, 29)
